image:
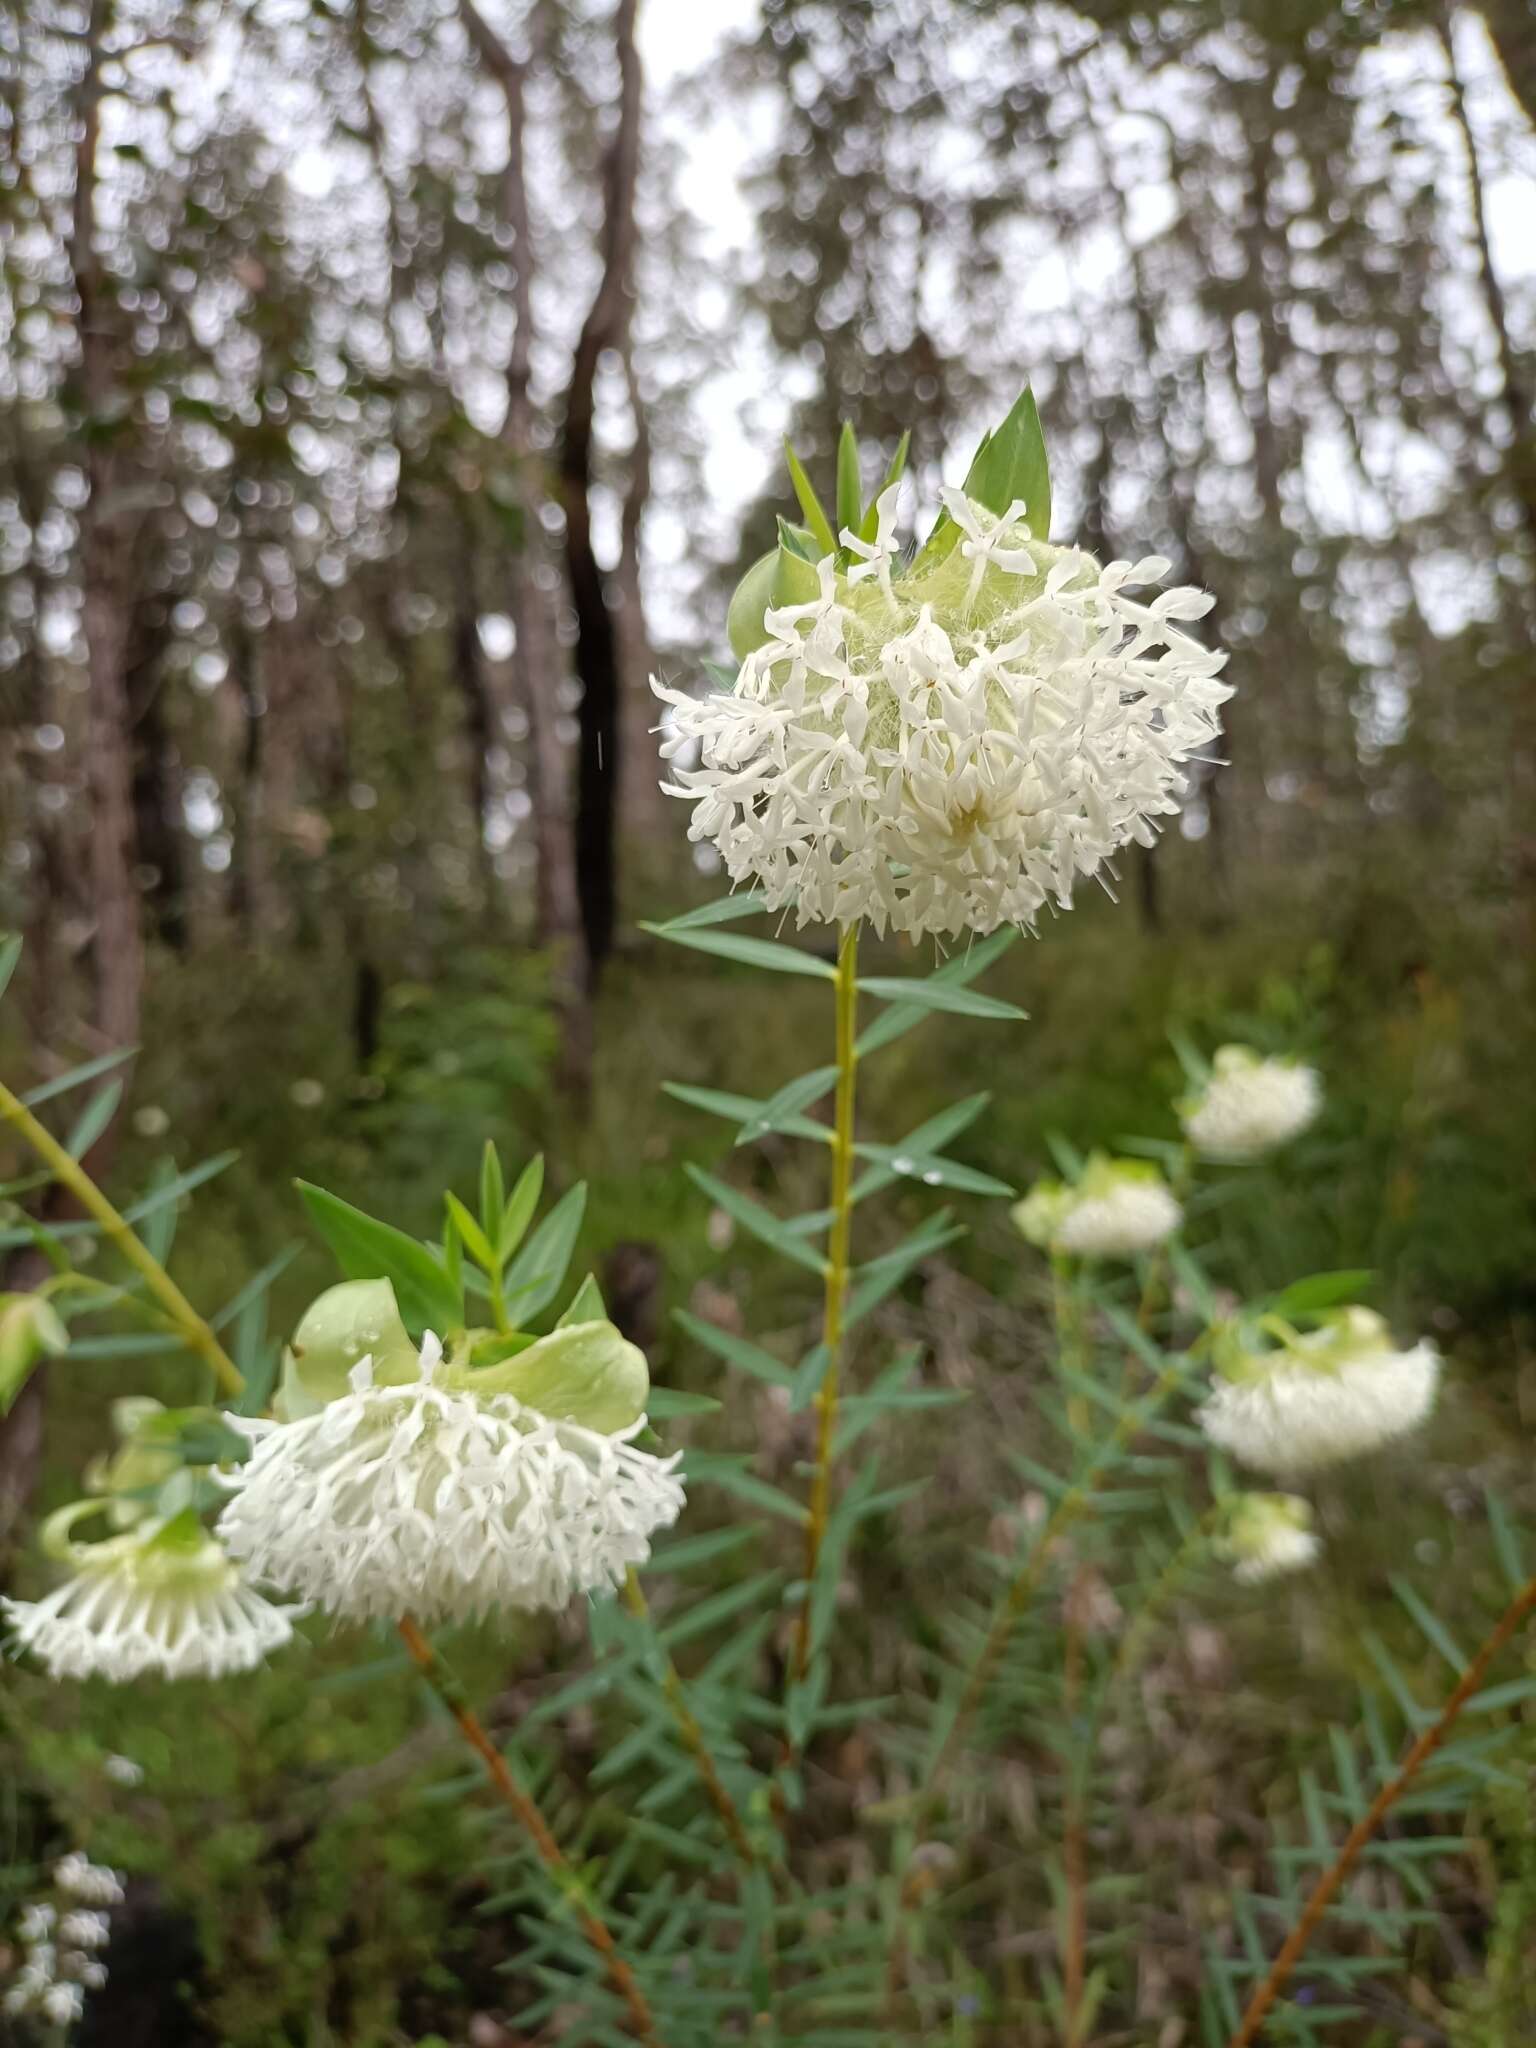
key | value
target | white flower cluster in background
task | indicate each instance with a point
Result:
(442, 1503)
(1250, 1105)
(1267, 1535)
(1335, 1393)
(163, 1600)
(950, 752)
(61, 1945)
(1115, 1209)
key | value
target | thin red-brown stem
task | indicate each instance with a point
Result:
(620, 1976)
(1359, 1836)
(1074, 1850)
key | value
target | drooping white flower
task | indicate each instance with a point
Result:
(1115, 1209)
(952, 750)
(162, 1600)
(1267, 1535)
(1250, 1105)
(435, 1499)
(1333, 1394)
(76, 1875)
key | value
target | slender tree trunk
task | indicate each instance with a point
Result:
(536, 656)
(641, 805)
(158, 837)
(1512, 25)
(478, 699)
(597, 649)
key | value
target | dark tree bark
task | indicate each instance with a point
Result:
(158, 837)
(1512, 25)
(597, 646)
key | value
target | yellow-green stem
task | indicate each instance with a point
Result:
(692, 1733)
(70, 1174)
(836, 1298)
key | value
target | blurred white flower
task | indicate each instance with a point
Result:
(36, 1923)
(949, 751)
(151, 1121)
(84, 1929)
(163, 1600)
(81, 1879)
(1115, 1209)
(442, 1503)
(62, 2004)
(1250, 1105)
(1339, 1391)
(1267, 1535)
(122, 1770)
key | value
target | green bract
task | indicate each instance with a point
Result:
(583, 1372)
(354, 1320)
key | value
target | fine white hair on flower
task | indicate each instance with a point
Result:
(1333, 1394)
(950, 751)
(1116, 1209)
(1267, 1536)
(163, 1601)
(442, 1503)
(1250, 1105)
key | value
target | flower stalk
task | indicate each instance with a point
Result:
(839, 1237)
(525, 1809)
(72, 1175)
(1356, 1841)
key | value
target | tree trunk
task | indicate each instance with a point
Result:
(597, 647)
(1512, 25)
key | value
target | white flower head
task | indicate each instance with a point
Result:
(950, 748)
(84, 1929)
(76, 1875)
(1115, 1209)
(162, 1600)
(1319, 1399)
(122, 1770)
(36, 1923)
(1250, 1105)
(445, 1497)
(62, 2004)
(1268, 1535)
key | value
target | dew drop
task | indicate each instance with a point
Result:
(901, 1165)
(933, 1178)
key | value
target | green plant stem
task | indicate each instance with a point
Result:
(1025, 1583)
(692, 1734)
(521, 1804)
(1249, 2027)
(837, 1268)
(70, 1174)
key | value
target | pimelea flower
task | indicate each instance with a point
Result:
(1316, 1400)
(1250, 1105)
(1268, 1535)
(76, 1875)
(444, 1497)
(1115, 1209)
(949, 746)
(162, 1600)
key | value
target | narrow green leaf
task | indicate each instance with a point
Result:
(728, 1469)
(724, 910)
(493, 1192)
(93, 1120)
(736, 1351)
(787, 1103)
(690, 1551)
(762, 1223)
(937, 994)
(809, 1374)
(1506, 1543)
(78, 1076)
(769, 953)
(1433, 1629)
(1321, 1291)
(10, 953)
(538, 1271)
(850, 502)
(964, 968)
(933, 1171)
(470, 1234)
(666, 1404)
(517, 1213)
(366, 1249)
(810, 505)
(586, 1305)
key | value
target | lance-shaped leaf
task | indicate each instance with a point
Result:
(871, 524)
(761, 1222)
(937, 994)
(905, 1014)
(366, 1249)
(783, 1108)
(724, 910)
(810, 505)
(850, 501)
(933, 1171)
(769, 953)
(537, 1274)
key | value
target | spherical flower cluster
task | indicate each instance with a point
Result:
(432, 1498)
(1115, 1209)
(1318, 1399)
(162, 1600)
(1250, 1105)
(949, 750)
(1267, 1535)
(95, 1883)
